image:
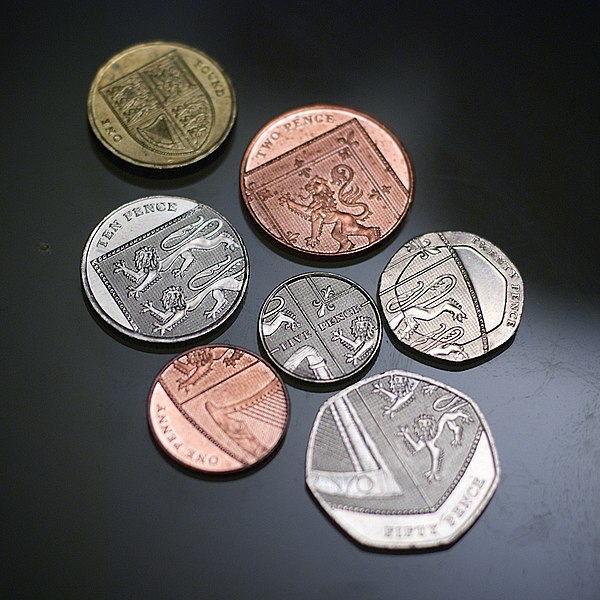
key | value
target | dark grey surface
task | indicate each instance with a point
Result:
(497, 105)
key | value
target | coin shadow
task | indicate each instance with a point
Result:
(431, 361)
(372, 550)
(160, 179)
(314, 261)
(216, 477)
(160, 347)
(314, 387)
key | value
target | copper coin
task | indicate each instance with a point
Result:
(161, 105)
(218, 409)
(326, 180)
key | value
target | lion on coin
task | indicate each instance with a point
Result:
(322, 210)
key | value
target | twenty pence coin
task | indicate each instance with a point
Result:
(161, 105)
(451, 295)
(326, 180)
(164, 269)
(320, 327)
(218, 409)
(400, 461)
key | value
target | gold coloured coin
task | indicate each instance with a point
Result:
(161, 105)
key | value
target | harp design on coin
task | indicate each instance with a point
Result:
(319, 197)
(267, 407)
(218, 408)
(314, 360)
(162, 106)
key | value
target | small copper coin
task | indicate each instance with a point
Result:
(161, 105)
(326, 180)
(218, 409)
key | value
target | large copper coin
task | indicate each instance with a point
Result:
(161, 105)
(218, 409)
(326, 180)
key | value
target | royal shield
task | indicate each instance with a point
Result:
(162, 106)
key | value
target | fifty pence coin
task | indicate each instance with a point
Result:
(451, 295)
(218, 409)
(161, 105)
(326, 180)
(319, 327)
(400, 461)
(164, 269)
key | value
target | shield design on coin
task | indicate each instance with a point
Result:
(435, 305)
(401, 461)
(163, 106)
(319, 196)
(177, 280)
(230, 397)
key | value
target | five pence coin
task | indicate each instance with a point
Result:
(326, 180)
(400, 461)
(218, 409)
(164, 269)
(451, 295)
(319, 327)
(161, 105)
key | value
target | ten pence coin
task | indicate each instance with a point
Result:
(320, 327)
(451, 295)
(400, 461)
(326, 180)
(164, 269)
(218, 409)
(161, 105)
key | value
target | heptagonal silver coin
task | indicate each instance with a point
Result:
(319, 327)
(164, 269)
(451, 295)
(400, 461)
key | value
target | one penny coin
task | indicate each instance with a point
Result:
(218, 409)
(161, 105)
(326, 180)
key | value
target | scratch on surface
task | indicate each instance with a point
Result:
(536, 529)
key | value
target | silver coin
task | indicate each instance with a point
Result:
(164, 269)
(451, 295)
(400, 461)
(319, 327)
